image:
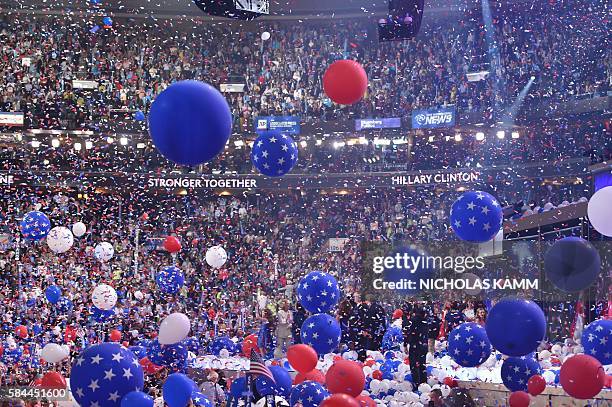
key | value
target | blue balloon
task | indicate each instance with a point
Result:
(170, 280)
(64, 305)
(282, 387)
(274, 154)
(192, 344)
(238, 387)
(403, 274)
(31, 302)
(220, 343)
(53, 294)
(139, 351)
(107, 21)
(597, 340)
(12, 356)
(100, 315)
(476, 217)
(200, 400)
(35, 226)
(318, 292)
(322, 332)
(516, 371)
(190, 122)
(139, 116)
(469, 345)
(177, 390)
(308, 393)
(572, 264)
(172, 356)
(392, 338)
(103, 374)
(516, 327)
(136, 399)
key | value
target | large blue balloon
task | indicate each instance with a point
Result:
(572, 264)
(318, 292)
(173, 356)
(308, 394)
(238, 387)
(104, 374)
(170, 280)
(177, 390)
(516, 327)
(190, 122)
(53, 294)
(282, 387)
(469, 345)
(274, 154)
(35, 225)
(476, 217)
(597, 340)
(64, 305)
(516, 371)
(136, 399)
(322, 332)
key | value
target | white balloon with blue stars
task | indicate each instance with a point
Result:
(103, 374)
(274, 154)
(318, 292)
(469, 345)
(476, 217)
(597, 340)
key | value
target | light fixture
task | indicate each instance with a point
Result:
(458, 137)
(338, 144)
(515, 134)
(381, 142)
(110, 140)
(398, 141)
(35, 143)
(319, 142)
(363, 140)
(431, 139)
(480, 136)
(88, 145)
(351, 142)
(55, 143)
(140, 145)
(303, 143)
(123, 141)
(46, 162)
(501, 134)
(77, 146)
(447, 137)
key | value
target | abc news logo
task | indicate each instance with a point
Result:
(434, 118)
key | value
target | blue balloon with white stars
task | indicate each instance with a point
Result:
(174, 356)
(282, 387)
(136, 399)
(274, 154)
(103, 374)
(322, 332)
(597, 340)
(476, 217)
(392, 339)
(469, 345)
(308, 394)
(318, 292)
(200, 400)
(101, 315)
(64, 305)
(193, 344)
(35, 226)
(139, 351)
(12, 356)
(516, 371)
(219, 343)
(170, 280)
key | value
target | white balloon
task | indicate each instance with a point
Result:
(104, 297)
(424, 388)
(79, 229)
(545, 354)
(216, 256)
(60, 239)
(549, 376)
(224, 353)
(104, 251)
(138, 295)
(53, 353)
(57, 330)
(599, 211)
(265, 36)
(445, 390)
(174, 328)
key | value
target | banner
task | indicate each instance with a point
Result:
(282, 124)
(76, 84)
(11, 119)
(433, 118)
(384, 123)
(232, 87)
(336, 244)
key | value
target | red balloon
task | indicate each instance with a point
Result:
(370, 362)
(450, 382)
(21, 331)
(345, 82)
(70, 334)
(115, 335)
(536, 385)
(582, 377)
(365, 401)
(398, 313)
(519, 399)
(377, 374)
(250, 342)
(38, 382)
(345, 376)
(1, 349)
(302, 358)
(313, 376)
(148, 366)
(53, 380)
(172, 244)
(339, 400)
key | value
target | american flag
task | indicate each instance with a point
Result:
(258, 367)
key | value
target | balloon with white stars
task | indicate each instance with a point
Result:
(308, 394)
(322, 332)
(516, 371)
(597, 340)
(274, 154)
(476, 217)
(318, 292)
(469, 345)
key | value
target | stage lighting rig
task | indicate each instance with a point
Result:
(403, 21)
(245, 10)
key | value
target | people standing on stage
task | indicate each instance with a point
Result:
(415, 338)
(284, 320)
(299, 316)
